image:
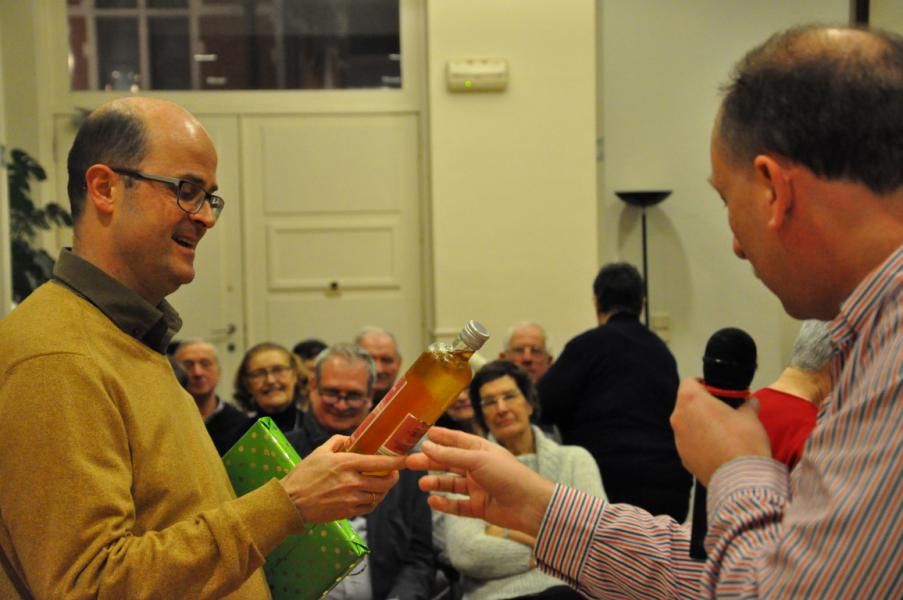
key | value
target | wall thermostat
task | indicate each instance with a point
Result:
(477, 75)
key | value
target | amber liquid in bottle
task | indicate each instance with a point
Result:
(414, 403)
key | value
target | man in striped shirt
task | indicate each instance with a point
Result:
(807, 151)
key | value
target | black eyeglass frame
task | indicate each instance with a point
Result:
(333, 397)
(216, 202)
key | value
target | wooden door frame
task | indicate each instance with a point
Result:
(6, 286)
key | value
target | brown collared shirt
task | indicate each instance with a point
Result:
(154, 326)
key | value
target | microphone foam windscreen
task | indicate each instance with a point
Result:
(730, 359)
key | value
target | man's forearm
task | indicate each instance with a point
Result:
(606, 549)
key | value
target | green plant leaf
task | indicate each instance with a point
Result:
(31, 266)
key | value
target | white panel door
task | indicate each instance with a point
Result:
(332, 223)
(211, 305)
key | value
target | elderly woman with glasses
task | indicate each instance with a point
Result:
(269, 384)
(495, 563)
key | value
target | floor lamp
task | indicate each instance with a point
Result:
(644, 199)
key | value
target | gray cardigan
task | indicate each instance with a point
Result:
(492, 567)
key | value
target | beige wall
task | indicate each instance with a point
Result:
(887, 14)
(663, 63)
(19, 82)
(513, 175)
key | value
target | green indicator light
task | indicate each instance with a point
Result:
(468, 83)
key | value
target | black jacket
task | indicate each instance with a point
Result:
(399, 530)
(227, 426)
(612, 391)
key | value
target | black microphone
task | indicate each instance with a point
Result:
(728, 367)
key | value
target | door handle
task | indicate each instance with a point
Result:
(224, 331)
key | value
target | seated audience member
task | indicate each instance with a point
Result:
(495, 562)
(461, 416)
(398, 532)
(179, 371)
(225, 423)
(526, 347)
(383, 348)
(267, 385)
(788, 407)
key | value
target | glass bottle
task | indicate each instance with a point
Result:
(420, 396)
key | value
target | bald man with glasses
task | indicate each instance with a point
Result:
(111, 486)
(399, 531)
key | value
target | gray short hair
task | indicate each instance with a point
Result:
(546, 341)
(813, 348)
(350, 353)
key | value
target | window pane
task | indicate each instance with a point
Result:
(117, 53)
(236, 44)
(169, 53)
(115, 3)
(167, 3)
(238, 53)
(78, 62)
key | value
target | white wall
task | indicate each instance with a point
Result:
(663, 64)
(513, 174)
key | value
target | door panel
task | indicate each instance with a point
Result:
(332, 232)
(211, 306)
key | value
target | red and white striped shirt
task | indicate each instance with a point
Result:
(832, 529)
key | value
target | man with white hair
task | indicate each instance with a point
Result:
(527, 347)
(225, 423)
(382, 346)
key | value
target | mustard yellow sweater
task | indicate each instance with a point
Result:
(109, 484)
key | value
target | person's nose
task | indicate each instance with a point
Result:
(269, 375)
(738, 250)
(204, 216)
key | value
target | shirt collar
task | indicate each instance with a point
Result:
(154, 326)
(859, 307)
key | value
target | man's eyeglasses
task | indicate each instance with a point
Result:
(333, 396)
(492, 402)
(261, 374)
(190, 196)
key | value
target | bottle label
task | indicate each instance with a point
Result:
(374, 414)
(405, 436)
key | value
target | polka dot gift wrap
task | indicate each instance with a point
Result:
(305, 566)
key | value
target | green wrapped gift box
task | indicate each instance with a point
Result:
(306, 566)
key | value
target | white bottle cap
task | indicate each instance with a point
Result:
(474, 335)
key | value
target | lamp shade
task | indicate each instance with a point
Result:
(643, 198)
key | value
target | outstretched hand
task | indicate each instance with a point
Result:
(498, 488)
(332, 484)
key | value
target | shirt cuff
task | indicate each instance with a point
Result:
(745, 474)
(566, 533)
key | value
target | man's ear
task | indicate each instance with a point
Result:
(776, 180)
(102, 182)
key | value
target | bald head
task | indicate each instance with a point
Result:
(123, 132)
(130, 164)
(527, 347)
(827, 98)
(383, 348)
